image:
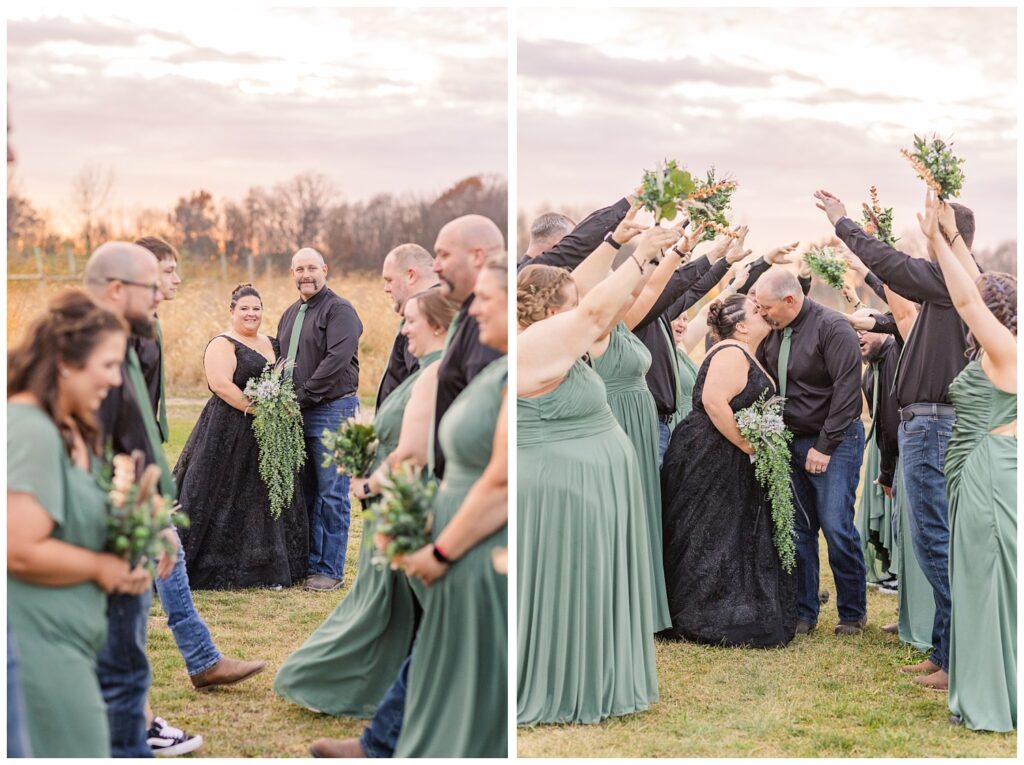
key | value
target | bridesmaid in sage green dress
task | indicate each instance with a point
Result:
(349, 662)
(915, 595)
(457, 700)
(586, 622)
(623, 368)
(981, 481)
(57, 574)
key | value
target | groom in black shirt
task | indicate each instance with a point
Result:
(814, 358)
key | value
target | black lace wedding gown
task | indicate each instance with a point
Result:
(232, 541)
(725, 583)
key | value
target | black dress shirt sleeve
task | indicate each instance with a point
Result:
(703, 286)
(842, 360)
(886, 325)
(582, 240)
(805, 284)
(757, 270)
(120, 420)
(877, 286)
(914, 278)
(682, 279)
(342, 332)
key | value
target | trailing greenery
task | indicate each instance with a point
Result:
(136, 513)
(878, 221)
(664, 188)
(708, 203)
(352, 447)
(277, 424)
(402, 517)
(827, 266)
(761, 424)
(936, 165)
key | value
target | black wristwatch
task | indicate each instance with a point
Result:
(684, 255)
(440, 557)
(611, 240)
(366, 489)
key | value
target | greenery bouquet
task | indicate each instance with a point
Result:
(707, 204)
(403, 516)
(663, 188)
(277, 424)
(762, 425)
(936, 165)
(877, 221)
(136, 514)
(352, 447)
(826, 264)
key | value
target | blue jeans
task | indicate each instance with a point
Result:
(664, 435)
(826, 501)
(381, 736)
(17, 727)
(124, 674)
(189, 630)
(923, 441)
(327, 503)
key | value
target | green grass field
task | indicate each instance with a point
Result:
(823, 696)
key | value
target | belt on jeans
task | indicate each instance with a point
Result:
(908, 413)
(665, 419)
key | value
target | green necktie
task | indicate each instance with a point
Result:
(431, 457)
(138, 383)
(787, 340)
(162, 403)
(293, 342)
(874, 402)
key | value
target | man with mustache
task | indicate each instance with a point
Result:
(319, 334)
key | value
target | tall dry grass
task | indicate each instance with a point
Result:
(201, 311)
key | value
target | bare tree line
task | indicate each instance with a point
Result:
(266, 226)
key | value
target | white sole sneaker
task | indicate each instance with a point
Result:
(176, 750)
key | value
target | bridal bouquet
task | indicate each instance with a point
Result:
(277, 423)
(352, 447)
(664, 188)
(136, 513)
(827, 266)
(403, 516)
(762, 425)
(878, 222)
(936, 165)
(707, 204)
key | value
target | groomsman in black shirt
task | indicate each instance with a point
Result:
(408, 269)
(320, 334)
(814, 358)
(571, 249)
(546, 231)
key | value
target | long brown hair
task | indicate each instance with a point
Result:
(67, 333)
(999, 293)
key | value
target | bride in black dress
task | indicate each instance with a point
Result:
(725, 583)
(232, 540)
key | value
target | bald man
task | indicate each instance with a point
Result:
(407, 270)
(319, 334)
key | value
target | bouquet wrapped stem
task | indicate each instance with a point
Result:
(277, 425)
(403, 516)
(761, 424)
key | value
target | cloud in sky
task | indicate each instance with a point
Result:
(785, 100)
(379, 100)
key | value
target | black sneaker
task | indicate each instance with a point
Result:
(889, 586)
(166, 741)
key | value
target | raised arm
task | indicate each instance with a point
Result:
(947, 224)
(598, 264)
(548, 348)
(219, 363)
(655, 286)
(582, 240)
(998, 342)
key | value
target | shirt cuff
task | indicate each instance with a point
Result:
(825, 445)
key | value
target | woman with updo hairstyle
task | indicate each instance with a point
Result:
(347, 665)
(981, 481)
(232, 540)
(58, 576)
(726, 584)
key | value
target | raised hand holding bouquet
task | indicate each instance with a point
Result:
(761, 424)
(707, 204)
(664, 188)
(827, 265)
(877, 222)
(277, 424)
(352, 447)
(936, 165)
(136, 514)
(403, 517)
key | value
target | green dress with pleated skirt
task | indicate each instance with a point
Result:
(981, 480)
(686, 378)
(457, 700)
(915, 594)
(623, 367)
(874, 517)
(350, 661)
(59, 630)
(585, 605)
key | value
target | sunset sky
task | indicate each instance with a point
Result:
(173, 100)
(786, 101)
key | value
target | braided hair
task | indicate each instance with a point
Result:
(999, 293)
(538, 289)
(67, 333)
(724, 315)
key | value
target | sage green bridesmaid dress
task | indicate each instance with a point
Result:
(981, 478)
(623, 367)
(457, 701)
(686, 378)
(916, 597)
(60, 629)
(874, 513)
(586, 622)
(350, 661)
